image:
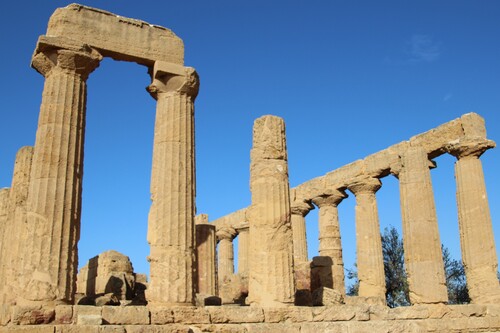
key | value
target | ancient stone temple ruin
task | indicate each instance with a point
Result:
(192, 285)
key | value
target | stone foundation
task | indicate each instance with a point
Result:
(345, 318)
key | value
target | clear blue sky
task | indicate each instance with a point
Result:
(349, 77)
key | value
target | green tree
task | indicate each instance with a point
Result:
(455, 279)
(396, 282)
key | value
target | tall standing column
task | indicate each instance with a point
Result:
(422, 245)
(243, 246)
(205, 256)
(226, 254)
(299, 211)
(16, 228)
(54, 200)
(476, 231)
(271, 279)
(171, 218)
(368, 241)
(4, 204)
(330, 244)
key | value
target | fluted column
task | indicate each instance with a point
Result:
(243, 246)
(54, 200)
(422, 245)
(330, 244)
(476, 232)
(271, 278)
(225, 261)
(4, 204)
(16, 228)
(171, 218)
(205, 256)
(299, 211)
(368, 240)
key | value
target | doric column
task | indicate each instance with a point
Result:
(330, 244)
(171, 218)
(422, 245)
(271, 279)
(54, 201)
(476, 232)
(368, 241)
(4, 204)
(225, 261)
(299, 211)
(16, 229)
(243, 247)
(205, 256)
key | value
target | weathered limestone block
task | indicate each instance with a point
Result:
(64, 314)
(191, 315)
(330, 244)
(368, 242)
(290, 314)
(161, 315)
(422, 245)
(271, 280)
(49, 255)
(303, 286)
(108, 273)
(326, 296)
(476, 231)
(116, 36)
(87, 315)
(206, 243)
(222, 315)
(32, 315)
(125, 315)
(171, 231)
(234, 289)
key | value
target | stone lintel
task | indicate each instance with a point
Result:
(115, 36)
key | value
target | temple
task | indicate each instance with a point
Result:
(192, 283)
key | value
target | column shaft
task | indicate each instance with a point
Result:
(299, 238)
(16, 229)
(476, 232)
(330, 244)
(226, 259)
(422, 245)
(4, 204)
(171, 219)
(243, 246)
(205, 258)
(54, 200)
(271, 280)
(368, 240)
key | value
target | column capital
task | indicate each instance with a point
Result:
(300, 208)
(226, 232)
(172, 78)
(364, 184)
(330, 199)
(469, 147)
(52, 53)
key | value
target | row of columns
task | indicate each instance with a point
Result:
(423, 256)
(44, 207)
